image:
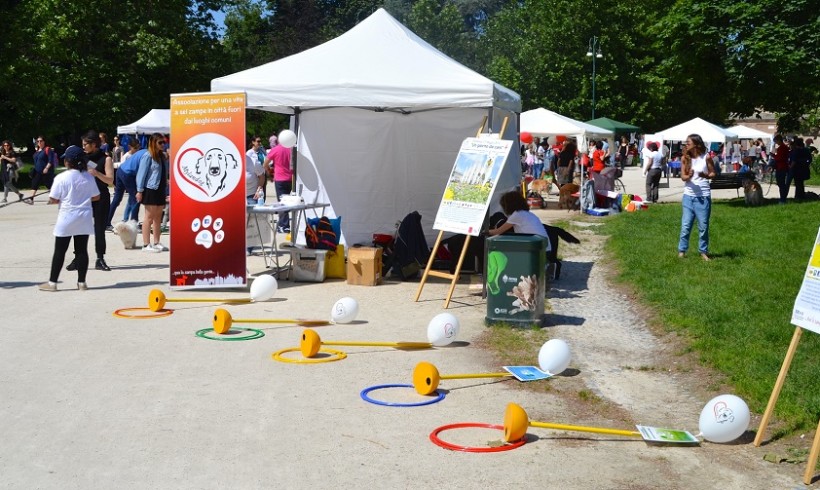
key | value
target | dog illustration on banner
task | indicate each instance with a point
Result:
(216, 162)
(208, 167)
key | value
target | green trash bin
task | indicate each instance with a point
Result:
(516, 279)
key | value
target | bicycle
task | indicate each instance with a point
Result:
(620, 187)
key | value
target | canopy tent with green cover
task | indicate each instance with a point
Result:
(613, 125)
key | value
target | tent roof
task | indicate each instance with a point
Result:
(543, 122)
(613, 125)
(708, 131)
(379, 63)
(156, 121)
(747, 133)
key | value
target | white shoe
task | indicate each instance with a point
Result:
(159, 247)
(48, 286)
(148, 248)
(82, 286)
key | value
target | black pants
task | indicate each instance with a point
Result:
(101, 209)
(80, 256)
(653, 182)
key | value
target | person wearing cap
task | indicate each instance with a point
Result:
(101, 167)
(74, 191)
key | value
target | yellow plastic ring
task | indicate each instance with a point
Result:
(125, 313)
(335, 355)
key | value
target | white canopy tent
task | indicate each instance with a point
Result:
(381, 115)
(747, 133)
(156, 121)
(543, 122)
(710, 133)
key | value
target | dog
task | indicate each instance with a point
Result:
(752, 192)
(127, 231)
(565, 198)
(539, 186)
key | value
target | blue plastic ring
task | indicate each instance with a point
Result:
(365, 392)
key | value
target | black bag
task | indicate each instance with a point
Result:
(321, 236)
(411, 251)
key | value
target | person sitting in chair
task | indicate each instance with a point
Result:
(519, 218)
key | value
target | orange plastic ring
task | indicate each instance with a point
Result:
(472, 449)
(335, 355)
(121, 313)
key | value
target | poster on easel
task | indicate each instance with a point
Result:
(805, 315)
(806, 312)
(207, 190)
(471, 185)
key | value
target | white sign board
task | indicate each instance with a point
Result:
(806, 313)
(471, 185)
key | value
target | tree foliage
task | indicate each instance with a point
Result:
(70, 66)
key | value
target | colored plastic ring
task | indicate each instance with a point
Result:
(125, 313)
(365, 392)
(468, 449)
(257, 334)
(335, 355)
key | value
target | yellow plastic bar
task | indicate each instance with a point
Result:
(474, 375)
(582, 428)
(401, 345)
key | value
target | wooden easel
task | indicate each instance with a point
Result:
(455, 275)
(778, 385)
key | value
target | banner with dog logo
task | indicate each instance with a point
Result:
(471, 185)
(208, 190)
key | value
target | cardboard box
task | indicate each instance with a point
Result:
(364, 266)
(308, 265)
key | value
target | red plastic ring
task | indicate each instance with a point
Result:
(472, 449)
(126, 313)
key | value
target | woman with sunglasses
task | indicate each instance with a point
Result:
(8, 161)
(152, 180)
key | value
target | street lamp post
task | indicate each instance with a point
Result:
(594, 52)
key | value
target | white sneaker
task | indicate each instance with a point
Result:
(148, 248)
(159, 247)
(82, 286)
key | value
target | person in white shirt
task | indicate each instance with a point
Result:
(73, 190)
(519, 218)
(697, 168)
(653, 166)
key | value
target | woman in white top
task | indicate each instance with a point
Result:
(519, 218)
(696, 170)
(73, 190)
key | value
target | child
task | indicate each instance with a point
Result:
(519, 217)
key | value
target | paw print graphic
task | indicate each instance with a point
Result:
(208, 231)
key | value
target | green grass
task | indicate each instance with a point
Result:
(735, 309)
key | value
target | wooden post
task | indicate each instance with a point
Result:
(812, 462)
(778, 385)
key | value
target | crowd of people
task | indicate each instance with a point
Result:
(91, 169)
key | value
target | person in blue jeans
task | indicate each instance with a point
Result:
(126, 181)
(696, 170)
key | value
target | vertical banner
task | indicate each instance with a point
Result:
(806, 312)
(208, 190)
(471, 184)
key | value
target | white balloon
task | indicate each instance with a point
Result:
(345, 310)
(724, 418)
(287, 138)
(442, 329)
(263, 288)
(554, 356)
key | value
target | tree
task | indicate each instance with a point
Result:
(77, 71)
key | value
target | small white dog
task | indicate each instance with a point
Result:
(127, 231)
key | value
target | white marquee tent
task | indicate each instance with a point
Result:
(381, 115)
(156, 121)
(543, 122)
(747, 133)
(710, 133)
